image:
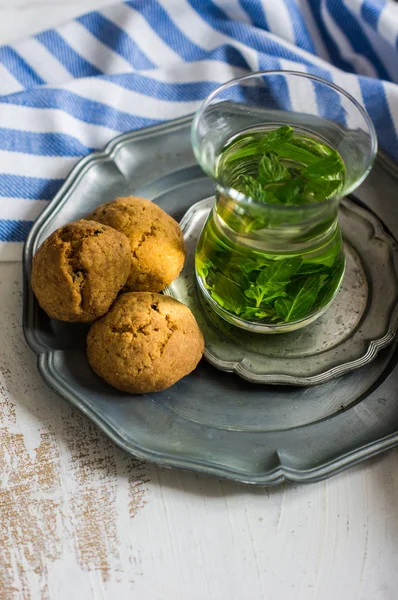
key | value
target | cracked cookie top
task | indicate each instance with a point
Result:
(145, 343)
(78, 271)
(156, 241)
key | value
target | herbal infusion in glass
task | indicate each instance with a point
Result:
(271, 266)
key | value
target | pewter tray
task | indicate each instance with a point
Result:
(211, 421)
(361, 320)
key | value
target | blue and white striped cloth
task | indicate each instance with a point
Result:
(69, 90)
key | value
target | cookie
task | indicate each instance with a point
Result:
(157, 245)
(145, 343)
(78, 271)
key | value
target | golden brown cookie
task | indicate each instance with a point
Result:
(79, 270)
(145, 343)
(157, 245)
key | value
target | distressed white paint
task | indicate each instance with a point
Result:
(193, 538)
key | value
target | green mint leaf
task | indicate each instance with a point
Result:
(277, 137)
(263, 313)
(255, 225)
(291, 191)
(251, 312)
(330, 166)
(272, 280)
(219, 259)
(255, 293)
(328, 289)
(270, 296)
(202, 266)
(254, 189)
(246, 183)
(263, 294)
(252, 146)
(301, 298)
(271, 169)
(233, 270)
(248, 266)
(279, 271)
(307, 268)
(316, 148)
(230, 293)
(326, 258)
(321, 188)
(290, 151)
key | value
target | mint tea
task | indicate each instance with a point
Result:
(271, 250)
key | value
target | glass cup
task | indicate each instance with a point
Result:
(264, 265)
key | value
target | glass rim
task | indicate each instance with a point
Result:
(240, 196)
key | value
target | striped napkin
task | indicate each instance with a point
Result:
(68, 91)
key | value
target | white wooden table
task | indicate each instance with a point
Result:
(81, 520)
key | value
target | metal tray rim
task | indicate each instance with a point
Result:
(274, 476)
(277, 475)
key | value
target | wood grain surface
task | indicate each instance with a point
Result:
(79, 519)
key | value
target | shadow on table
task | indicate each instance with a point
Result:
(377, 472)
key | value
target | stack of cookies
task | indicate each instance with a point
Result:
(109, 268)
